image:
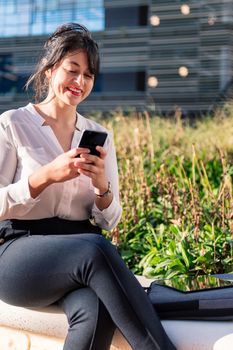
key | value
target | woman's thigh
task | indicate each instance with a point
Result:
(39, 270)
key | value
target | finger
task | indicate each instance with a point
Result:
(76, 151)
(88, 158)
(89, 167)
(101, 151)
(93, 158)
(74, 168)
(80, 151)
(80, 160)
(86, 173)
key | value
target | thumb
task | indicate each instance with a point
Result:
(74, 152)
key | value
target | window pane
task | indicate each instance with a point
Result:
(31, 17)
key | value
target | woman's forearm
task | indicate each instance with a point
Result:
(38, 181)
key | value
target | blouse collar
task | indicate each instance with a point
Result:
(80, 122)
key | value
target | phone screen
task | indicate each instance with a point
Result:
(190, 284)
(90, 139)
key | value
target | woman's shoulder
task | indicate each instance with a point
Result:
(11, 116)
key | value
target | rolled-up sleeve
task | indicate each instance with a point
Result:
(15, 198)
(109, 217)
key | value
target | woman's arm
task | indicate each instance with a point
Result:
(109, 217)
(15, 198)
(106, 210)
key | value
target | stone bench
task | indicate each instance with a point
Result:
(45, 329)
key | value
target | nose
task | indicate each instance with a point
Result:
(79, 79)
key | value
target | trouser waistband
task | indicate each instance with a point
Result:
(50, 226)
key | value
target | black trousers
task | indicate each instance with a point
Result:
(86, 276)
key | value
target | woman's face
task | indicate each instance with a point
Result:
(70, 81)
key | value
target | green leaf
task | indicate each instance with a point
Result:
(184, 255)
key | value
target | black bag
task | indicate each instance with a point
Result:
(213, 301)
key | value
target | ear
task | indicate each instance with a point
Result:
(48, 73)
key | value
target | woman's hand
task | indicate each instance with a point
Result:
(65, 166)
(94, 167)
(62, 168)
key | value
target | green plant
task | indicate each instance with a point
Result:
(176, 193)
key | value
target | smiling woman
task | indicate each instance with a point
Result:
(55, 199)
(70, 78)
(61, 49)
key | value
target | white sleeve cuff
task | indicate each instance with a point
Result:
(107, 218)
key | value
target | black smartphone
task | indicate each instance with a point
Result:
(91, 138)
(191, 284)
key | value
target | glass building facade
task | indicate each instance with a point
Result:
(155, 54)
(38, 17)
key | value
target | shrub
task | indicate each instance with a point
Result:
(176, 192)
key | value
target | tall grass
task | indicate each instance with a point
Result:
(176, 192)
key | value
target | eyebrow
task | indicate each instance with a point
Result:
(75, 63)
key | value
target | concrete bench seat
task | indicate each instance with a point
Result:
(45, 329)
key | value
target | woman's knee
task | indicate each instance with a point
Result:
(98, 248)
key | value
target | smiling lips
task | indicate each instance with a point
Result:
(75, 91)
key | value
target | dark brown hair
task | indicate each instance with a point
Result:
(67, 38)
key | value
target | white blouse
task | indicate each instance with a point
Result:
(25, 145)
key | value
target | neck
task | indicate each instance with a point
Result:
(58, 113)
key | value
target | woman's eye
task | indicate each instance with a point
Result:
(70, 70)
(89, 76)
